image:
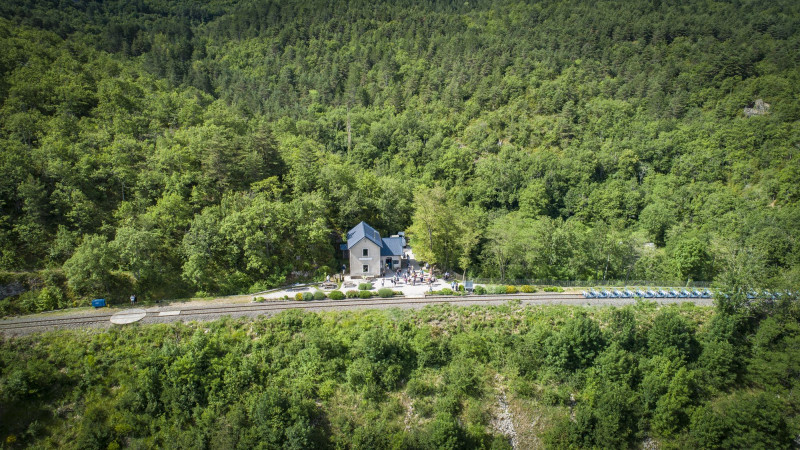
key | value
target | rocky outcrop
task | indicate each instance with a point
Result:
(759, 108)
(13, 288)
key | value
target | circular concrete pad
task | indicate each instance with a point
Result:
(129, 316)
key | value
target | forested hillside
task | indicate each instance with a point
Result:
(442, 378)
(171, 148)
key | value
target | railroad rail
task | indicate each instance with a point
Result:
(175, 312)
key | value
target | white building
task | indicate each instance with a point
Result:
(370, 255)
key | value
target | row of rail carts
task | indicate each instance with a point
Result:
(770, 295)
(684, 293)
(649, 293)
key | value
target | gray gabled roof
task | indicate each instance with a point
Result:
(392, 246)
(361, 231)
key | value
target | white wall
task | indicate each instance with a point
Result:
(357, 260)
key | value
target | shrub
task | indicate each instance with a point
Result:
(576, 344)
(308, 296)
(480, 290)
(319, 295)
(364, 286)
(400, 293)
(742, 419)
(352, 294)
(365, 294)
(418, 388)
(259, 299)
(553, 289)
(461, 288)
(298, 296)
(496, 289)
(463, 376)
(336, 295)
(528, 289)
(385, 292)
(49, 298)
(445, 291)
(511, 289)
(672, 335)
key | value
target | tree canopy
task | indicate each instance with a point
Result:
(227, 146)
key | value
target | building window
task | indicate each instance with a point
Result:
(365, 268)
(365, 252)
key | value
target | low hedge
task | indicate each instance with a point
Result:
(553, 289)
(298, 296)
(365, 294)
(307, 296)
(336, 295)
(385, 292)
(319, 295)
(528, 289)
(352, 294)
(364, 286)
(480, 290)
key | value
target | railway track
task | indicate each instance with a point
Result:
(55, 322)
(328, 304)
(171, 313)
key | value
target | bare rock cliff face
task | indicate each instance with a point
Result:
(759, 109)
(7, 290)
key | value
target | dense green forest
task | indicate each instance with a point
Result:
(172, 148)
(175, 148)
(674, 377)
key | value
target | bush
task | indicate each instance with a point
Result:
(553, 289)
(259, 299)
(319, 295)
(444, 291)
(463, 376)
(511, 289)
(461, 288)
(385, 292)
(480, 290)
(575, 345)
(418, 388)
(672, 335)
(336, 295)
(365, 294)
(298, 296)
(352, 294)
(364, 286)
(496, 289)
(528, 289)
(308, 296)
(742, 419)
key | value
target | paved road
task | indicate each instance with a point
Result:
(105, 318)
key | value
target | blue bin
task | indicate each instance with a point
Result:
(99, 302)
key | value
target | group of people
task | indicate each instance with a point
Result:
(408, 276)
